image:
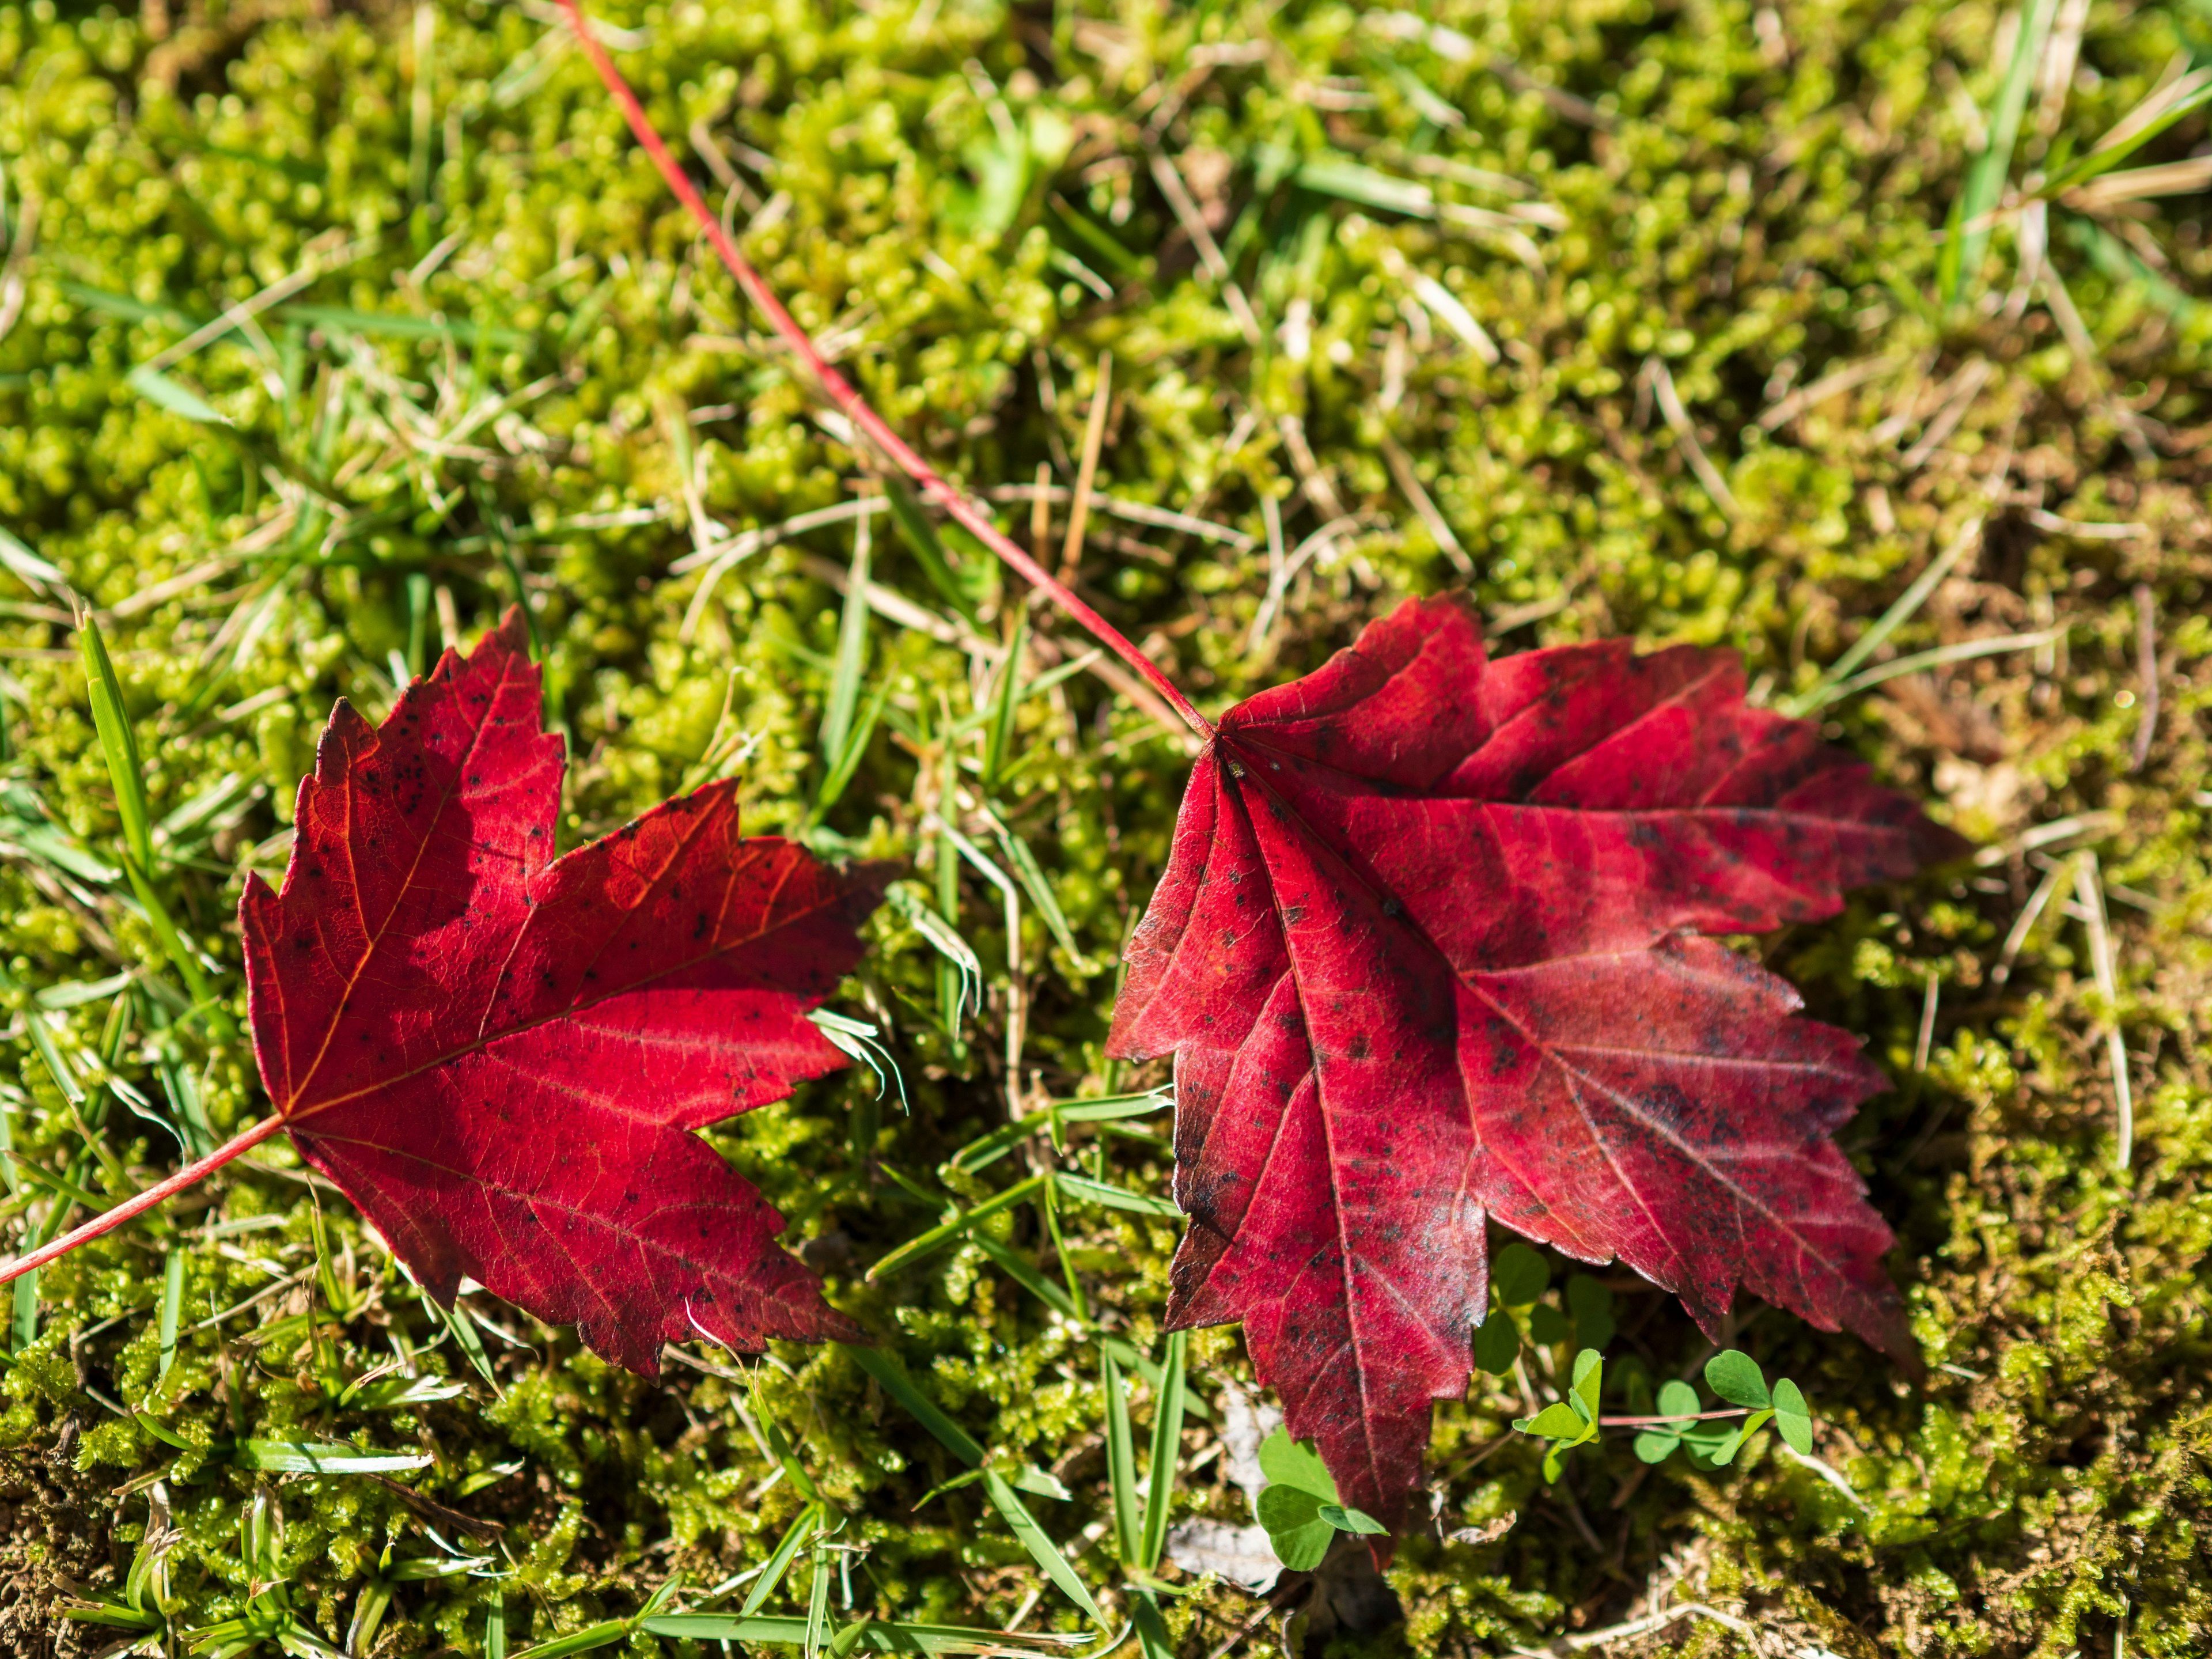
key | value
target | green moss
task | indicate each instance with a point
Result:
(1754, 204)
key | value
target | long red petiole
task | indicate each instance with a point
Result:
(963, 507)
(1686, 1417)
(139, 1203)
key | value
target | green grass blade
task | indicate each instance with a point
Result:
(343, 319)
(311, 1458)
(1349, 181)
(852, 651)
(778, 1444)
(418, 619)
(818, 1605)
(16, 557)
(954, 970)
(178, 399)
(1167, 1447)
(182, 1087)
(999, 740)
(173, 944)
(2123, 265)
(119, 742)
(55, 846)
(1122, 1463)
(2104, 159)
(724, 1627)
(962, 968)
(1938, 657)
(896, 1382)
(604, 1635)
(1113, 1108)
(63, 1073)
(1032, 877)
(856, 746)
(1906, 606)
(1985, 179)
(1051, 1207)
(60, 1185)
(1027, 1276)
(1950, 259)
(1128, 1354)
(938, 1237)
(24, 1328)
(787, 1551)
(1095, 238)
(1042, 1549)
(456, 1321)
(181, 826)
(126, 772)
(173, 1302)
(1153, 1638)
(928, 546)
(1118, 1198)
(987, 1149)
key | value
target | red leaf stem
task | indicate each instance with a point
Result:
(139, 1203)
(1680, 1416)
(964, 507)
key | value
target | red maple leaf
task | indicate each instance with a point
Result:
(1425, 952)
(500, 1055)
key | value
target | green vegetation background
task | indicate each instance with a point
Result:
(1436, 265)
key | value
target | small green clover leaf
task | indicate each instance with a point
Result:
(1519, 1276)
(1793, 1418)
(1300, 1506)
(1735, 1377)
(1353, 1520)
(1726, 1453)
(1288, 1462)
(1657, 1441)
(1709, 1444)
(1572, 1421)
(1497, 1343)
(1558, 1421)
(1679, 1422)
(1296, 1530)
(1548, 1325)
(1589, 1379)
(1592, 1305)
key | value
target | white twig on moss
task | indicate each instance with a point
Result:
(1409, 483)
(1677, 418)
(2089, 890)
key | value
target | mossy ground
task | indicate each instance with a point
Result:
(521, 375)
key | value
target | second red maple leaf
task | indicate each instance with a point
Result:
(1426, 954)
(501, 1055)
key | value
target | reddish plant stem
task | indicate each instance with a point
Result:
(1686, 1417)
(138, 1203)
(963, 507)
